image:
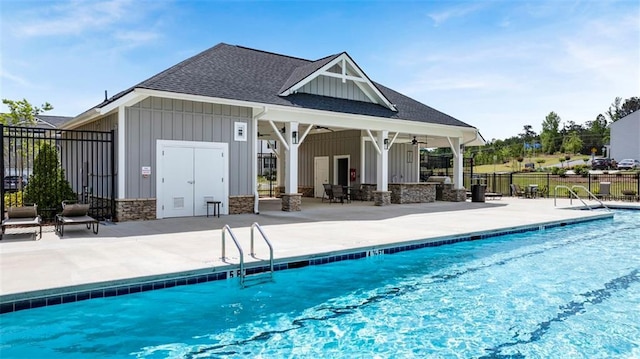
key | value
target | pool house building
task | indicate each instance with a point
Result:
(190, 134)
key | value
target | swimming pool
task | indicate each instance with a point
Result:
(571, 292)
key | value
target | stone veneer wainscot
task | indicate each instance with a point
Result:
(412, 192)
(139, 209)
(241, 204)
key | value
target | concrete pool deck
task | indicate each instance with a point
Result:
(145, 250)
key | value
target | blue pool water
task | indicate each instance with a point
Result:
(565, 292)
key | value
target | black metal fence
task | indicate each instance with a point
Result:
(48, 166)
(622, 186)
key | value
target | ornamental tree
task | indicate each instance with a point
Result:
(22, 112)
(47, 186)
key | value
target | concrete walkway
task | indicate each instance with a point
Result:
(162, 248)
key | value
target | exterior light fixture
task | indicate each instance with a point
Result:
(294, 137)
(386, 143)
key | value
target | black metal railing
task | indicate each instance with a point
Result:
(621, 185)
(51, 165)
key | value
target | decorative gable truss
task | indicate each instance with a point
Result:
(340, 77)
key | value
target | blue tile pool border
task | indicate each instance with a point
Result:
(228, 272)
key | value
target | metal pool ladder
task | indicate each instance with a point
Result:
(574, 194)
(249, 279)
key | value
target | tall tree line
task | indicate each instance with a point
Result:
(556, 136)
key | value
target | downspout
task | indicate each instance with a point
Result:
(256, 196)
(475, 138)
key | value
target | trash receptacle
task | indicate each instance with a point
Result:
(477, 192)
(439, 192)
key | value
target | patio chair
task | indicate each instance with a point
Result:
(338, 193)
(605, 190)
(75, 213)
(517, 191)
(357, 192)
(328, 192)
(26, 216)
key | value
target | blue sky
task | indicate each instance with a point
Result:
(497, 65)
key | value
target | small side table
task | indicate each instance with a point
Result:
(216, 208)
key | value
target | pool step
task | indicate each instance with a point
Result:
(257, 278)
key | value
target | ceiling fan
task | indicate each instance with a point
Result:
(415, 142)
(323, 128)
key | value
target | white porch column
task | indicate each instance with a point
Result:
(291, 159)
(363, 159)
(278, 150)
(382, 175)
(457, 162)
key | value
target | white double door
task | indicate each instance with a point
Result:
(190, 173)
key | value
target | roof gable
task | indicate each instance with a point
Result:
(339, 66)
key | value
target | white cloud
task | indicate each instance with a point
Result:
(453, 12)
(73, 18)
(18, 80)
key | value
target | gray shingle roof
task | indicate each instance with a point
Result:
(239, 73)
(54, 121)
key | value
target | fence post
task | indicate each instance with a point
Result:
(113, 175)
(493, 183)
(638, 182)
(2, 167)
(548, 184)
(510, 182)
(589, 176)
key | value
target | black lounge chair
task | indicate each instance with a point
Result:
(328, 192)
(26, 216)
(517, 191)
(75, 213)
(339, 193)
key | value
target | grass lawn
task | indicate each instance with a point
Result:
(514, 165)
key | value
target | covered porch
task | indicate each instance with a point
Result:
(380, 159)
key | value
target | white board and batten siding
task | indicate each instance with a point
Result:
(404, 162)
(334, 87)
(332, 144)
(403, 158)
(155, 119)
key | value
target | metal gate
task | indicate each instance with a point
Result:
(48, 166)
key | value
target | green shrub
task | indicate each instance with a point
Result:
(13, 199)
(541, 160)
(47, 186)
(582, 170)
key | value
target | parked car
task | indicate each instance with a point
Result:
(628, 164)
(14, 183)
(602, 164)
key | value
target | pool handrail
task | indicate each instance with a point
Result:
(591, 194)
(225, 229)
(555, 196)
(254, 226)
